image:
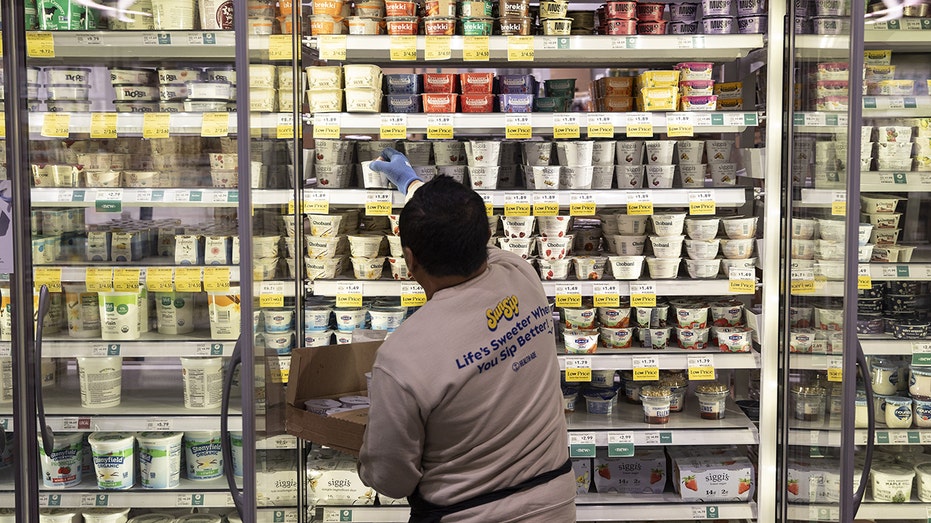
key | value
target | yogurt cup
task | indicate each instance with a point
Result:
(898, 412)
(83, 311)
(702, 249)
(625, 245)
(277, 320)
(712, 399)
(668, 224)
(203, 458)
(236, 445)
(720, 25)
(114, 459)
(203, 382)
(100, 379)
(629, 152)
(119, 315)
(105, 515)
(891, 483)
(656, 338)
(349, 319)
(616, 337)
(175, 312)
(61, 467)
(629, 176)
(703, 269)
(923, 480)
(702, 228)
(667, 246)
(685, 12)
(626, 267)
(159, 459)
(224, 313)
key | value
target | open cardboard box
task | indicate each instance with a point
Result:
(329, 372)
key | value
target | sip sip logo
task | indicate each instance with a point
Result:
(507, 308)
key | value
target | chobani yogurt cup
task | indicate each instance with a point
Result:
(101, 379)
(61, 467)
(159, 459)
(114, 460)
(202, 455)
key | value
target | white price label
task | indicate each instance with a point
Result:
(645, 362)
(581, 438)
(182, 196)
(348, 288)
(578, 363)
(6, 350)
(620, 437)
(69, 424)
(645, 287)
(651, 438)
(158, 424)
(606, 288)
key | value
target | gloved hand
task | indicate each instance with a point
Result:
(396, 168)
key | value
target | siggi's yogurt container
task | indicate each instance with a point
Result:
(202, 455)
(114, 460)
(62, 466)
(159, 459)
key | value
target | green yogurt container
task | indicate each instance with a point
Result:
(477, 26)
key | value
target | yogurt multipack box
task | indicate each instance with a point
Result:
(644, 473)
(703, 479)
(333, 480)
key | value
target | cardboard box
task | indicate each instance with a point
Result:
(644, 473)
(705, 479)
(329, 372)
(334, 481)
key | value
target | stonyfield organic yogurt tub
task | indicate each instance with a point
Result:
(114, 459)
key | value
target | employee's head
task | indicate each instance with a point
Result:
(445, 227)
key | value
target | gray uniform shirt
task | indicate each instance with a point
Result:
(466, 400)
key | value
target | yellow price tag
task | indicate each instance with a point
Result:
(606, 300)
(48, 276)
(216, 279)
(332, 47)
(639, 208)
(271, 300)
(838, 208)
(215, 125)
(188, 279)
(349, 300)
(279, 369)
(578, 375)
(803, 286)
(741, 286)
(601, 131)
(402, 48)
(545, 209)
(698, 208)
(640, 131)
(582, 209)
(836, 375)
(569, 300)
(56, 125)
(475, 49)
(438, 48)
(158, 279)
(2, 124)
(701, 373)
(284, 130)
(377, 208)
(835, 369)
(864, 279)
(40, 45)
(680, 130)
(566, 131)
(646, 373)
(103, 125)
(393, 127)
(643, 300)
(155, 125)
(98, 279)
(280, 47)
(315, 202)
(518, 132)
(520, 49)
(439, 126)
(126, 280)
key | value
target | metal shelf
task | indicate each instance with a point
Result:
(154, 46)
(671, 358)
(904, 35)
(168, 197)
(149, 345)
(131, 124)
(828, 434)
(567, 51)
(684, 428)
(542, 123)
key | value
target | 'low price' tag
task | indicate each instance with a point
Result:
(643, 294)
(568, 295)
(864, 279)
(600, 125)
(578, 369)
(516, 204)
(701, 203)
(545, 204)
(639, 125)
(646, 368)
(393, 127)
(639, 203)
(606, 294)
(412, 295)
(518, 126)
(701, 367)
(348, 294)
(581, 204)
(741, 281)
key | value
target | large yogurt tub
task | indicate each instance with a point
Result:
(114, 459)
(891, 483)
(159, 459)
(61, 466)
(105, 515)
(923, 479)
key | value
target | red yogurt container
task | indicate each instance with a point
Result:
(439, 102)
(477, 83)
(652, 28)
(621, 26)
(440, 82)
(477, 103)
(621, 9)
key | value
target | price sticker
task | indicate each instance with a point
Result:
(581, 204)
(56, 125)
(568, 295)
(475, 49)
(98, 279)
(606, 294)
(803, 281)
(348, 294)
(188, 279)
(600, 125)
(126, 280)
(639, 125)
(701, 203)
(208, 349)
(545, 204)
(701, 367)
(402, 48)
(280, 47)
(216, 279)
(643, 294)
(679, 125)
(2, 119)
(835, 368)
(158, 424)
(159, 279)
(706, 512)
(105, 349)
(439, 126)
(516, 204)
(284, 128)
(215, 125)
(271, 294)
(921, 353)
(567, 125)
(489, 203)
(108, 200)
(639, 203)
(839, 204)
(279, 368)
(520, 48)
(156, 125)
(377, 203)
(412, 295)
(741, 281)
(393, 127)
(48, 276)
(95, 500)
(582, 444)
(40, 45)
(437, 47)
(103, 125)
(327, 125)
(332, 47)
(864, 279)
(518, 126)
(578, 369)
(646, 368)
(620, 444)
(315, 202)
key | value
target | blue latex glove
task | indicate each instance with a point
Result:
(396, 168)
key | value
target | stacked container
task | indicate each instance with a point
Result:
(696, 88)
(67, 89)
(553, 17)
(514, 17)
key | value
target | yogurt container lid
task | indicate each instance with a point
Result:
(655, 391)
(674, 382)
(920, 369)
(600, 394)
(898, 400)
(109, 437)
(143, 437)
(713, 387)
(893, 470)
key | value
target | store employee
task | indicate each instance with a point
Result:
(466, 415)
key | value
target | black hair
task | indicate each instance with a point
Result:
(445, 226)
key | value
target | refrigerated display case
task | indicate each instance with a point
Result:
(149, 205)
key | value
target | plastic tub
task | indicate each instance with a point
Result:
(119, 315)
(712, 398)
(663, 268)
(580, 341)
(159, 459)
(105, 515)
(898, 412)
(114, 459)
(203, 458)
(61, 467)
(656, 404)
(600, 402)
(101, 380)
(203, 382)
(891, 483)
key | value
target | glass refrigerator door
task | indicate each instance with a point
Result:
(156, 197)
